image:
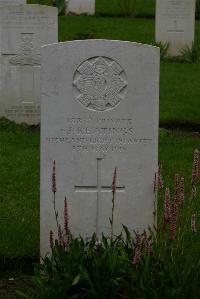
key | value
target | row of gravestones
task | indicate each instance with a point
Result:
(25, 28)
(99, 110)
(175, 20)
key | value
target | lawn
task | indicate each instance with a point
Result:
(143, 8)
(19, 191)
(19, 150)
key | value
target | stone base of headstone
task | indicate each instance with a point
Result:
(78, 7)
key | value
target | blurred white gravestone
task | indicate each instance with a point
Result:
(99, 111)
(80, 7)
(24, 29)
(175, 24)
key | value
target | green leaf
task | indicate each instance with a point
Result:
(22, 294)
(76, 280)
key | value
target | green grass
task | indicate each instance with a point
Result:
(143, 8)
(179, 95)
(19, 191)
(138, 30)
(19, 183)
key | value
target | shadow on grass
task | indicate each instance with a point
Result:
(19, 266)
(10, 126)
(187, 127)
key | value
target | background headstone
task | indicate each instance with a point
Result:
(175, 24)
(80, 7)
(24, 29)
(99, 111)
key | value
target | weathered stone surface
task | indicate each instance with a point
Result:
(24, 29)
(175, 24)
(99, 111)
(80, 7)
(12, 2)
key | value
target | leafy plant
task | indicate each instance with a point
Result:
(198, 9)
(60, 4)
(157, 263)
(163, 49)
(191, 54)
(127, 7)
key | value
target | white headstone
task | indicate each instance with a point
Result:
(175, 24)
(99, 111)
(24, 29)
(80, 7)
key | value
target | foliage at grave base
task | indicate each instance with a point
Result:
(159, 263)
(127, 7)
(197, 11)
(163, 49)
(108, 270)
(60, 4)
(191, 55)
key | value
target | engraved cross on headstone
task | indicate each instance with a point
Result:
(99, 188)
(28, 62)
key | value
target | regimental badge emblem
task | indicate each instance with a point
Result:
(101, 83)
(27, 56)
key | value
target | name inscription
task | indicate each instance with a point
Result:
(27, 18)
(99, 134)
(176, 9)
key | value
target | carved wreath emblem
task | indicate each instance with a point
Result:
(101, 83)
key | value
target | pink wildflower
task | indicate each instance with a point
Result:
(147, 244)
(173, 220)
(54, 178)
(155, 183)
(160, 180)
(176, 188)
(138, 249)
(167, 210)
(194, 192)
(182, 191)
(51, 239)
(173, 229)
(193, 223)
(114, 181)
(195, 167)
(60, 235)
